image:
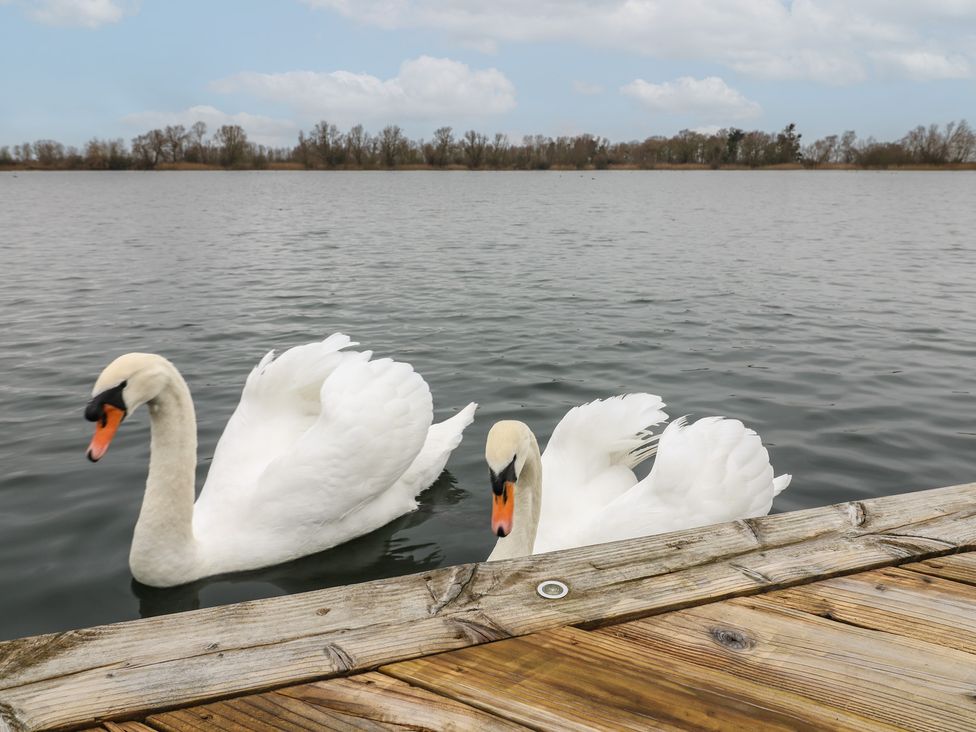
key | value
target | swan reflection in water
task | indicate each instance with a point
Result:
(377, 555)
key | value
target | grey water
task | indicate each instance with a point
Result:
(834, 312)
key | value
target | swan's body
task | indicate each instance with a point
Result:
(324, 446)
(582, 490)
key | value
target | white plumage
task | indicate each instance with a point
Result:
(711, 471)
(324, 446)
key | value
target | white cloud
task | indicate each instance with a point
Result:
(587, 88)
(830, 41)
(263, 130)
(709, 98)
(925, 66)
(424, 88)
(707, 129)
(85, 13)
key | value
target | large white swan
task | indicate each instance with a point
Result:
(325, 445)
(582, 490)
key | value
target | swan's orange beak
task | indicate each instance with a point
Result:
(105, 430)
(503, 509)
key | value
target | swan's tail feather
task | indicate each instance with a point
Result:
(781, 483)
(442, 439)
(450, 430)
(716, 469)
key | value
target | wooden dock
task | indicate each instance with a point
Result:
(860, 615)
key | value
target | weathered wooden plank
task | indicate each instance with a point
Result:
(898, 681)
(191, 719)
(893, 600)
(120, 670)
(253, 713)
(127, 727)
(569, 679)
(960, 568)
(374, 699)
(362, 703)
(238, 715)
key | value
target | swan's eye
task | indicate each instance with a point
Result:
(95, 409)
(498, 480)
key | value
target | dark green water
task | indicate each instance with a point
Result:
(834, 312)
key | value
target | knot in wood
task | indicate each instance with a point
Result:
(731, 639)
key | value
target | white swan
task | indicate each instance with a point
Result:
(583, 490)
(325, 445)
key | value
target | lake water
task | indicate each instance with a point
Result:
(834, 312)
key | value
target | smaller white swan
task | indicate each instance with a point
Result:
(582, 490)
(324, 446)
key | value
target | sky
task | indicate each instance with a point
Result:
(71, 70)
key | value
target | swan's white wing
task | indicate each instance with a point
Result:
(374, 421)
(712, 471)
(279, 403)
(589, 459)
(441, 440)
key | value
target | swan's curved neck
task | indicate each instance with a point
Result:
(163, 546)
(528, 504)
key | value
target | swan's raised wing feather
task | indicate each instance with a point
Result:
(598, 435)
(589, 459)
(374, 421)
(279, 403)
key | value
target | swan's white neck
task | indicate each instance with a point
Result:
(164, 551)
(528, 504)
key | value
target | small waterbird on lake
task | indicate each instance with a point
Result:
(582, 490)
(324, 446)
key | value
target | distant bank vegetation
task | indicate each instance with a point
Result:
(325, 147)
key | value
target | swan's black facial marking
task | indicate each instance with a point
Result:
(95, 410)
(506, 476)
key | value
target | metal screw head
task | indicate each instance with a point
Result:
(552, 589)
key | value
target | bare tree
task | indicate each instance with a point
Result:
(474, 148)
(176, 138)
(392, 143)
(357, 145)
(498, 151)
(443, 146)
(326, 142)
(24, 153)
(197, 151)
(822, 151)
(848, 147)
(49, 152)
(232, 141)
(961, 143)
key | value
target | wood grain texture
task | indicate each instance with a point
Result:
(368, 702)
(374, 700)
(888, 679)
(80, 677)
(960, 568)
(893, 600)
(570, 679)
(252, 713)
(127, 727)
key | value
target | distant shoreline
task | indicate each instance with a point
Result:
(325, 147)
(677, 167)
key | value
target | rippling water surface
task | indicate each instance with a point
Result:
(834, 312)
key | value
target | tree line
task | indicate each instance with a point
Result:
(325, 147)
